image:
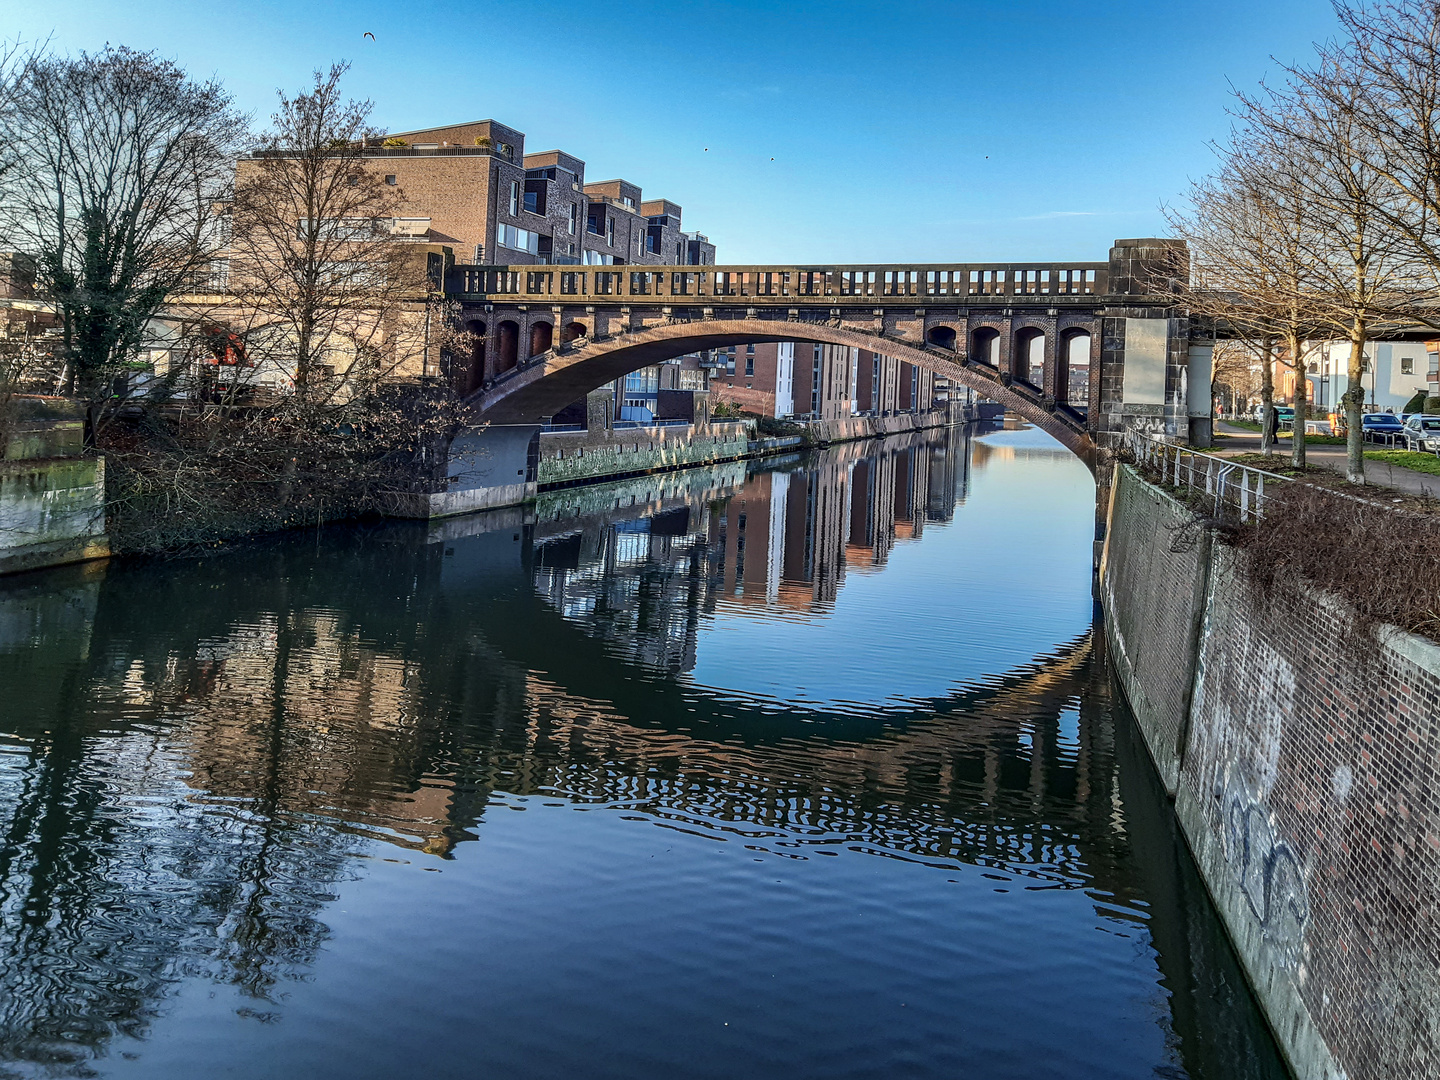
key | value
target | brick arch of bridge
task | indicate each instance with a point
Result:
(548, 383)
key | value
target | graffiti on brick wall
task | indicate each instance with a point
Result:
(1266, 868)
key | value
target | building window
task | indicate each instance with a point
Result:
(730, 360)
(645, 381)
(390, 179)
(1407, 365)
(514, 196)
(629, 202)
(574, 217)
(750, 361)
(610, 231)
(519, 239)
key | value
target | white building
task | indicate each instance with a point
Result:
(785, 379)
(1394, 372)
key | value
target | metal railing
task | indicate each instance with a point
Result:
(760, 285)
(1226, 488)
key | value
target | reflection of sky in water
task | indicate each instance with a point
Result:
(1016, 577)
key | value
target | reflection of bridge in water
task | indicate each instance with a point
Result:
(188, 782)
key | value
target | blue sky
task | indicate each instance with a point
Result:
(799, 131)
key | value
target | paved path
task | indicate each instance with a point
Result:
(1382, 474)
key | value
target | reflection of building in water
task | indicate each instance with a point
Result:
(635, 582)
(985, 451)
(789, 537)
(747, 539)
(894, 495)
(642, 574)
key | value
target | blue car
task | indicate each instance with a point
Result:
(1384, 428)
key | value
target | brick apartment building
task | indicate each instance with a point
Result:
(818, 382)
(472, 187)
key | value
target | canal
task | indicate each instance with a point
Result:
(808, 767)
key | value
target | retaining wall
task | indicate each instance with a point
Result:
(1303, 755)
(571, 456)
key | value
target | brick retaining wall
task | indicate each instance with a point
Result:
(1304, 759)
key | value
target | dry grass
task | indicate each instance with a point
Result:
(1382, 498)
(1382, 558)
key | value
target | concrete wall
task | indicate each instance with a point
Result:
(570, 456)
(487, 467)
(1304, 758)
(52, 500)
(52, 511)
(871, 427)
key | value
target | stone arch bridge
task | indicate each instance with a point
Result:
(1011, 332)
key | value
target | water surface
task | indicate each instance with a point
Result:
(805, 768)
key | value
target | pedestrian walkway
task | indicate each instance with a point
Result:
(1380, 473)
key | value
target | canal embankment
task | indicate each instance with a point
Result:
(569, 457)
(52, 497)
(1299, 744)
(496, 466)
(54, 503)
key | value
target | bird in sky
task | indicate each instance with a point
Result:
(369, 35)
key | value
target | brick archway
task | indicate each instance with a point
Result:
(547, 385)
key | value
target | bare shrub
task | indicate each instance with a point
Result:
(1384, 563)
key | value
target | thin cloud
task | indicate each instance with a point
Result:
(1050, 215)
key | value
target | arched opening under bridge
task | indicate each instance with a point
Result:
(1072, 376)
(985, 346)
(474, 374)
(508, 346)
(1029, 356)
(546, 387)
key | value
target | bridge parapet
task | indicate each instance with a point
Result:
(1042, 283)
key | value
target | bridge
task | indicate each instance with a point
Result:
(1011, 332)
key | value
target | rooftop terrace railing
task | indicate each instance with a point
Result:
(773, 285)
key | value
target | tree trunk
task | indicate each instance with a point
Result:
(1267, 398)
(1297, 441)
(1354, 406)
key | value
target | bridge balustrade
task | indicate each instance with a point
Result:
(780, 284)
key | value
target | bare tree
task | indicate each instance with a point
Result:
(331, 297)
(122, 162)
(1237, 377)
(1389, 65)
(1250, 252)
(308, 389)
(15, 60)
(1337, 204)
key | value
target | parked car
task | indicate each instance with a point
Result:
(1381, 427)
(1422, 433)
